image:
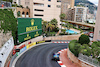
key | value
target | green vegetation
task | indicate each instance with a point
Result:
(78, 29)
(68, 25)
(84, 39)
(50, 28)
(90, 50)
(8, 22)
(62, 16)
(8, 0)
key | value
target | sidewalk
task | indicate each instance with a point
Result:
(65, 60)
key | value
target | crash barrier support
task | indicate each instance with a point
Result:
(25, 48)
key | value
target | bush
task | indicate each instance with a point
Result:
(84, 39)
(74, 47)
(63, 33)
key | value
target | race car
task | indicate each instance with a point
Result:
(56, 57)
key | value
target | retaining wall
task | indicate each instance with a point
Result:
(64, 37)
(75, 60)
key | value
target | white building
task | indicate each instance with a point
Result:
(16, 1)
(80, 14)
(45, 9)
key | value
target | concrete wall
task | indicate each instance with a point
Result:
(4, 38)
(64, 37)
(75, 60)
(97, 26)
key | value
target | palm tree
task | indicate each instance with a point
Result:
(44, 23)
(62, 16)
(54, 22)
(68, 25)
(50, 27)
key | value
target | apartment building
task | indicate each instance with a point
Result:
(80, 14)
(16, 2)
(45, 9)
(65, 5)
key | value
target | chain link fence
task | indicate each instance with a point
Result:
(89, 60)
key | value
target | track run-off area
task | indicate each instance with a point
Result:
(40, 56)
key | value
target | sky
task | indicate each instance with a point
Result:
(94, 1)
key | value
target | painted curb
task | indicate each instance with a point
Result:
(60, 62)
(60, 42)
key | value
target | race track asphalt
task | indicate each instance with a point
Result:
(40, 56)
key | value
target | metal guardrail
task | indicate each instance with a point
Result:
(89, 60)
(13, 58)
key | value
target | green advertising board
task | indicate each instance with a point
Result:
(29, 28)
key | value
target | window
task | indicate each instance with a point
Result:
(99, 32)
(58, 0)
(38, 10)
(49, 0)
(23, 12)
(49, 5)
(27, 13)
(38, 4)
(58, 6)
(37, 15)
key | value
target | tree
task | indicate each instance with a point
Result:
(84, 39)
(62, 16)
(44, 24)
(68, 25)
(8, 22)
(54, 22)
(50, 27)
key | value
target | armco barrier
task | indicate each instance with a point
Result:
(25, 48)
(30, 45)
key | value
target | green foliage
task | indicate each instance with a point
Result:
(86, 50)
(18, 13)
(54, 22)
(75, 47)
(84, 39)
(51, 26)
(8, 22)
(68, 25)
(62, 16)
(63, 30)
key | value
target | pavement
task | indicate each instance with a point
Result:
(40, 56)
(65, 60)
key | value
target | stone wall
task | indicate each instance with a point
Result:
(4, 38)
(75, 60)
(64, 37)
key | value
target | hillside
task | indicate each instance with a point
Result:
(86, 3)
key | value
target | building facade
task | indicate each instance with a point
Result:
(97, 25)
(45, 9)
(16, 2)
(80, 14)
(65, 5)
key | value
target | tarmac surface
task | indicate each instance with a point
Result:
(40, 56)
